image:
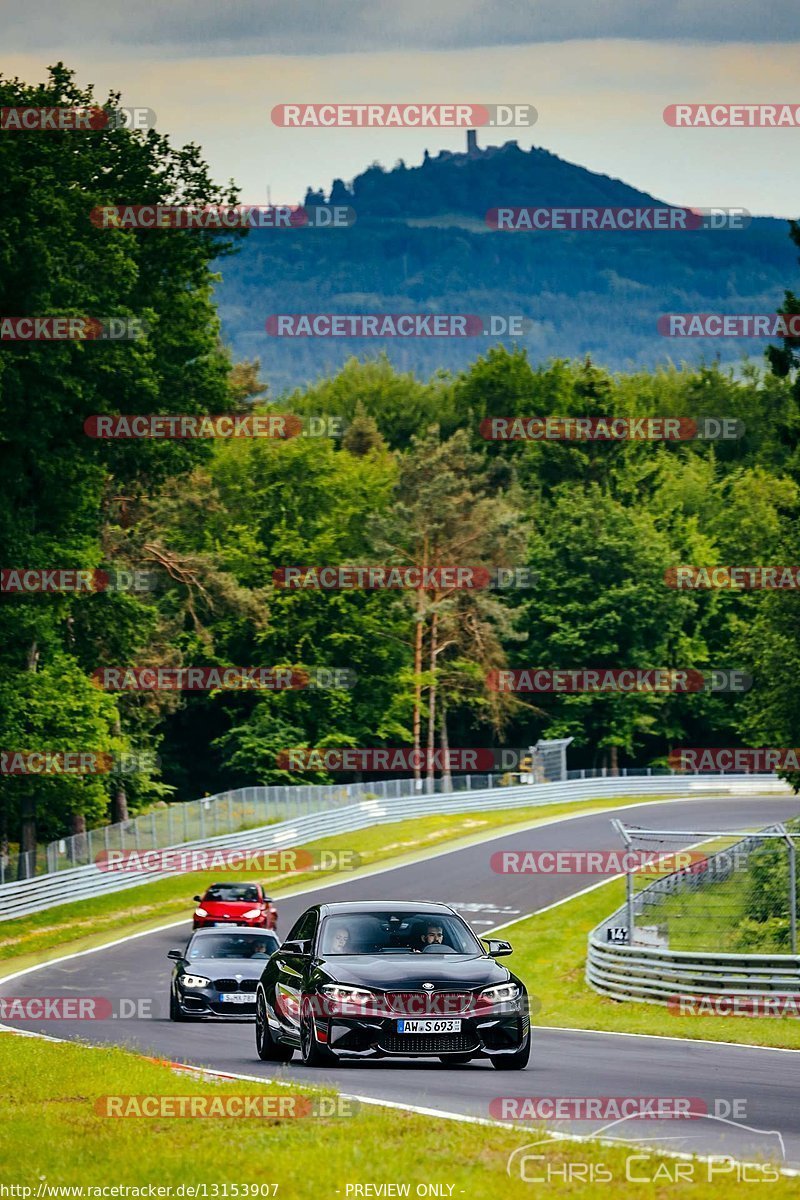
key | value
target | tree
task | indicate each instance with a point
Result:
(443, 515)
(57, 480)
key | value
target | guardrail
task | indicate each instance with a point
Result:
(248, 808)
(48, 891)
(651, 975)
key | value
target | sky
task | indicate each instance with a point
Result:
(598, 73)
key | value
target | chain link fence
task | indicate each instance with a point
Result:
(253, 807)
(730, 893)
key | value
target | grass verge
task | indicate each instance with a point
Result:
(26, 941)
(52, 1136)
(550, 955)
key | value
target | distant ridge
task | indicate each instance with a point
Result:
(421, 244)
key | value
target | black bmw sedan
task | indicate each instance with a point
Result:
(383, 979)
(217, 973)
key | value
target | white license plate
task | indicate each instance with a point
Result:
(429, 1025)
(237, 997)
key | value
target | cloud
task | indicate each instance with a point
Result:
(189, 28)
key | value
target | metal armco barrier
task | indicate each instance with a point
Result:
(64, 887)
(661, 976)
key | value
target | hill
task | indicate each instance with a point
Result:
(421, 243)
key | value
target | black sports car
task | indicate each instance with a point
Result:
(377, 979)
(218, 972)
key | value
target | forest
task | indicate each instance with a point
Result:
(388, 467)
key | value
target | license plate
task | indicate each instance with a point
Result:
(237, 998)
(429, 1025)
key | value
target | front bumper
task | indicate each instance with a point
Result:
(484, 1035)
(207, 1004)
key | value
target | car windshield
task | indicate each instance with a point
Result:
(231, 945)
(402, 932)
(228, 893)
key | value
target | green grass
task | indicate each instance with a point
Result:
(51, 1133)
(709, 919)
(550, 955)
(26, 941)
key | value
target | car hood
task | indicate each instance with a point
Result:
(390, 972)
(226, 968)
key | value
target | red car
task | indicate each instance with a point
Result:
(235, 904)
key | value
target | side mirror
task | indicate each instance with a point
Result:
(296, 948)
(197, 898)
(498, 948)
(268, 899)
(175, 953)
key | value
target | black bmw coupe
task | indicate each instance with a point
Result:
(384, 979)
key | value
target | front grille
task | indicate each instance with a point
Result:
(428, 1043)
(235, 985)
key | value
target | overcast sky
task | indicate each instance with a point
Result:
(599, 72)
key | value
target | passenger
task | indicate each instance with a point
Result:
(340, 942)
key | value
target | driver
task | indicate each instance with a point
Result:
(433, 935)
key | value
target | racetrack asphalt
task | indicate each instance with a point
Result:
(564, 1062)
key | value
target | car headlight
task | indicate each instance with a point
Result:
(200, 912)
(251, 912)
(193, 981)
(350, 995)
(500, 993)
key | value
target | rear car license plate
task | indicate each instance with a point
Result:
(429, 1025)
(237, 998)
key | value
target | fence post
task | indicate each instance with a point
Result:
(170, 830)
(793, 893)
(153, 830)
(202, 818)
